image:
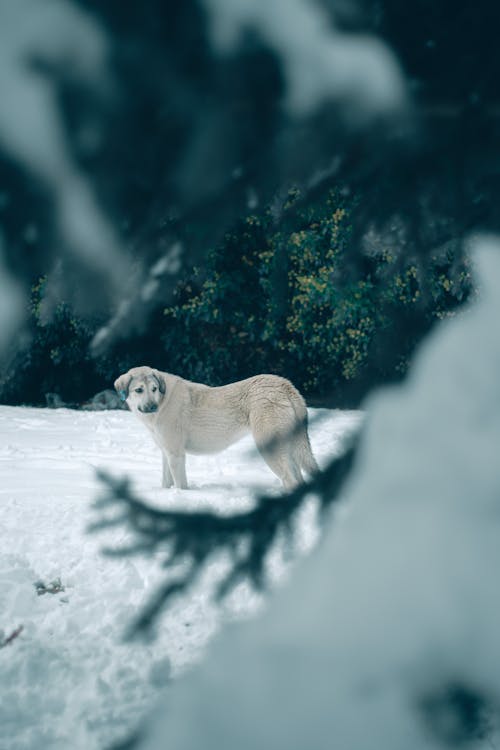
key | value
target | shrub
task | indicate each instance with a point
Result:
(55, 359)
(286, 301)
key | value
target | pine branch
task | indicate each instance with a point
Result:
(191, 539)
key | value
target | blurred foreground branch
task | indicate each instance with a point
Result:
(193, 538)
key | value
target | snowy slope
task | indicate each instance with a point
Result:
(68, 680)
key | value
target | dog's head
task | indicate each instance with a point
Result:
(143, 388)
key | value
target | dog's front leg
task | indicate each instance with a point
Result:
(167, 479)
(177, 464)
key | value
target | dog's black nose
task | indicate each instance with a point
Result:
(152, 407)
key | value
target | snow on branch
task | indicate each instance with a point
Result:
(191, 539)
(320, 62)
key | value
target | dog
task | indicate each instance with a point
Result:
(186, 417)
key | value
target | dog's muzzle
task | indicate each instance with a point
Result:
(149, 408)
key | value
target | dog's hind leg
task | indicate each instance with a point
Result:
(275, 451)
(287, 471)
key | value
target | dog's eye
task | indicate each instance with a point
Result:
(138, 390)
(153, 389)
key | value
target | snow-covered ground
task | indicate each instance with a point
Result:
(68, 680)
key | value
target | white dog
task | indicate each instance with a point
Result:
(186, 417)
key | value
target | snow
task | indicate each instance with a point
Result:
(320, 62)
(388, 636)
(69, 680)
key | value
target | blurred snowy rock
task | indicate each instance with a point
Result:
(104, 400)
(54, 401)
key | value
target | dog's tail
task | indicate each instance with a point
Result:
(305, 455)
(303, 451)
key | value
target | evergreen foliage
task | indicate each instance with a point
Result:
(279, 297)
(55, 357)
(285, 299)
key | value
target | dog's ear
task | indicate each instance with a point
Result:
(161, 381)
(122, 384)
